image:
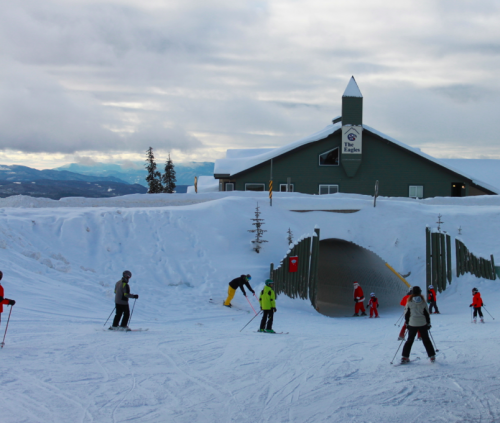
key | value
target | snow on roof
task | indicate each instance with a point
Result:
(232, 166)
(352, 89)
(245, 152)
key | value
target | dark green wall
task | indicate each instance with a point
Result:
(395, 169)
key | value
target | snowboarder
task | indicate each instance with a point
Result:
(267, 301)
(373, 305)
(234, 285)
(417, 319)
(3, 300)
(122, 294)
(431, 299)
(477, 303)
(358, 299)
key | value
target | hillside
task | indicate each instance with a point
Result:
(61, 259)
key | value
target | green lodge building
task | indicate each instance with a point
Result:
(349, 157)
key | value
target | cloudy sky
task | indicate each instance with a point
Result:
(103, 80)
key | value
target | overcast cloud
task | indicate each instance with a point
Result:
(104, 80)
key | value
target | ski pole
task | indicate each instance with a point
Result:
(397, 321)
(250, 304)
(435, 346)
(131, 314)
(401, 343)
(251, 320)
(109, 317)
(6, 327)
(488, 313)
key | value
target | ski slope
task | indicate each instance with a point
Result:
(61, 259)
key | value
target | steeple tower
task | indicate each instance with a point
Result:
(352, 128)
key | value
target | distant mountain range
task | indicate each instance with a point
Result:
(135, 172)
(99, 180)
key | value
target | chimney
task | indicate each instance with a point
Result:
(352, 128)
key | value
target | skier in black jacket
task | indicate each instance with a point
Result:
(234, 285)
(122, 294)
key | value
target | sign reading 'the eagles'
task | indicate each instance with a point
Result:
(351, 139)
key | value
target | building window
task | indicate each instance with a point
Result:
(229, 186)
(283, 188)
(328, 189)
(416, 191)
(329, 158)
(255, 187)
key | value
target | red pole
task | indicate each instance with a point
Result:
(250, 304)
(6, 327)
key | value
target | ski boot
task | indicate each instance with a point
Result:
(433, 359)
(262, 330)
(270, 331)
(355, 315)
(227, 305)
(482, 320)
(405, 360)
(363, 314)
(113, 328)
(401, 338)
(474, 321)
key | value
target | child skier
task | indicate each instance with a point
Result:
(267, 301)
(358, 299)
(373, 305)
(477, 303)
(431, 299)
(417, 319)
(122, 294)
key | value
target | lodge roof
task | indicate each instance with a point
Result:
(239, 160)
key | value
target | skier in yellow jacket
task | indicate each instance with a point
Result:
(267, 301)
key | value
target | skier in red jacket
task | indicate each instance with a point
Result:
(431, 300)
(477, 303)
(358, 299)
(3, 300)
(373, 305)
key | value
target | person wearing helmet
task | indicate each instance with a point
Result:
(122, 294)
(358, 299)
(477, 303)
(234, 285)
(373, 305)
(431, 299)
(267, 300)
(4, 301)
(417, 319)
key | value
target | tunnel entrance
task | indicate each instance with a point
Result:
(340, 264)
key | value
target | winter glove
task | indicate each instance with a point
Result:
(274, 309)
(11, 302)
(355, 300)
(135, 296)
(1, 298)
(428, 326)
(470, 305)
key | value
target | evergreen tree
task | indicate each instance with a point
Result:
(290, 236)
(154, 177)
(257, 222)
(168, 177)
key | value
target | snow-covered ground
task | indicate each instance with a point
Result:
(61, 259)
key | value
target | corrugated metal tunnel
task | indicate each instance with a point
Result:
(340, 264)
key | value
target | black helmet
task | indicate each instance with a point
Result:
(474, 290)
(127, 274)
(417, 290)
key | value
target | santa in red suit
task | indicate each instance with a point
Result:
(358, 299)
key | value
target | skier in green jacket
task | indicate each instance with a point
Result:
(267, 301)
